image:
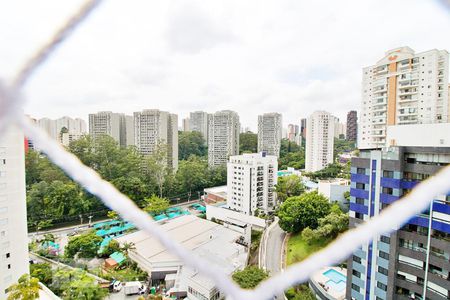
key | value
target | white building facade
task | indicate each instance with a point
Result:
(118, 126)
(319, 141)
(251, 180)
(269, 133)
(13, 214)
(403, 88)
(153, 127)
(223, 137)
(198, 121)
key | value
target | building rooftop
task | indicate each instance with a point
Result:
(210, 240)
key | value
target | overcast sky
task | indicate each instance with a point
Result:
(291, 57)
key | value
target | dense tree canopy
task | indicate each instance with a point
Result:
(156, 205)
(329, 227)
(42, 271)
(249, 277)
(76, 284)
(53, 197)
(248, 142)
(334, 170)
(86, 245)
(191, 143)
(288, 186)
(27, 288)
(297, 213)
(291, 155)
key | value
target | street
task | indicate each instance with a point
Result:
(271, 252)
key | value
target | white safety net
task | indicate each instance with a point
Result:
(390, 219)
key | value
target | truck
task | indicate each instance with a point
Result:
(133, 288)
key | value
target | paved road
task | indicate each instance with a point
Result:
(272, 247)
(275, 239)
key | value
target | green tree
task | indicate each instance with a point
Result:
(191, 143)
(300, 292)
(333, 170)
(113, 215)
(294, 160)
(297, 213)
(157, 166)
(27, 288)
(249, 277)
(288, 186)
(288, 147)
(248, 142)
(76, 284)
(113, 246)
(86, 245)
(343, 146)
(43, 272)
(156, 205)
(191, 174)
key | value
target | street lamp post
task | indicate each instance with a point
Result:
(90, 221)
(81, 219)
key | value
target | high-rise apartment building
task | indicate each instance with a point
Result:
(293, 134)
(339, 129)
(251, 183)
(76, 126)
(352, 126)
(303, 127)
(154, 127)
(198, 121)
(319, 141)
(402, 88)
(13, 214)
(223, 137)
(186, 124)
(117, 125)
(414, 261)
(269, 133)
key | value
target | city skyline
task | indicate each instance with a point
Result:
(257, 69)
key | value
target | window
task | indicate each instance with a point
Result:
(360, 186)
(385, 239)
(382, 271)
(361, 171)
(8, 255)
(356, 273)
(359, 216)
(355, 287)
(356, 259)
(387, 191)
(382, 286)
(388, 174)
(359, 201)
(383, 254)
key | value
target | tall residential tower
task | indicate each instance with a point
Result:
(352, 126)
(198, 121)
(223, 137)
(269, 133)
(154, 127)
(402, 88)
(13, 214)
(319, 141)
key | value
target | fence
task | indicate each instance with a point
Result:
(390, 219)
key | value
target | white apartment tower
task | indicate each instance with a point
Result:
(403, 88)
(223, 137)
(251, 183)
(198, 121)
(153, 127)
(118, 126)
(269, 133)
(319, 140)
(13, 214)
(185, 126)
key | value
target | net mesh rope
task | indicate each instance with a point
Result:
(390, 219)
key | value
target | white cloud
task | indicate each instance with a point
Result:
(292, 56)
